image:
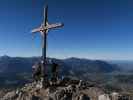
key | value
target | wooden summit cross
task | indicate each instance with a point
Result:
(44, 29)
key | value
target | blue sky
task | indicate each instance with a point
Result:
(94, 29)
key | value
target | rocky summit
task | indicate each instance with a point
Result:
(70, 90)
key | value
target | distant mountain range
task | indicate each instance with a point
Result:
(16, 71)
(126, 65)
(75, 65)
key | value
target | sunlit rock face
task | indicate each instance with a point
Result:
(104, 97)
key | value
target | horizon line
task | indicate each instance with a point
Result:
(69, 58)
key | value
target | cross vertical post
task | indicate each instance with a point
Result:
(44, 55)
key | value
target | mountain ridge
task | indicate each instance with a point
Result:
(17, 64)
